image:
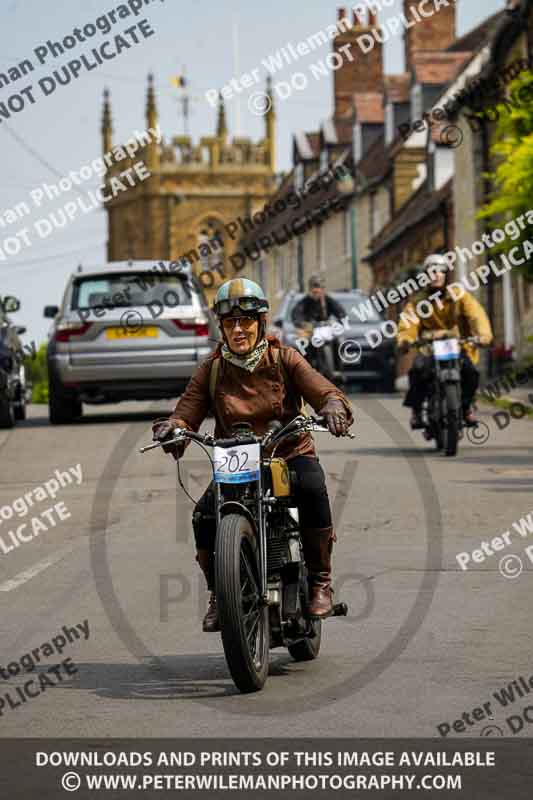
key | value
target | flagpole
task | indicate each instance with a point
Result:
(236, 73)
(185, 103)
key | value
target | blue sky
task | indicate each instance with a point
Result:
(62, 131)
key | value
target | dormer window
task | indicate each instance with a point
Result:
(416, 102)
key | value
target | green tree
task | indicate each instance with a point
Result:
(512, 150)
(37, 375)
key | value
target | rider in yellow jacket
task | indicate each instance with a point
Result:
(454, 314)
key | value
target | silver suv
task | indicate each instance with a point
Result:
(126, 331)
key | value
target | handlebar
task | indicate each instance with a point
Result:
(298, 425)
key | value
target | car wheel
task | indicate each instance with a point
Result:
(7, 412)
(20, 405)
(388, 384)
(20, 409)
(63, 407)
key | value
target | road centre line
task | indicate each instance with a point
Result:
(27, 574)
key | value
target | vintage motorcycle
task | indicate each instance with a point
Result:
(260, 574)
(443, 416)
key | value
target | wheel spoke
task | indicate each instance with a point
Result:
(253, 633)
(253, 610)
(248, 569)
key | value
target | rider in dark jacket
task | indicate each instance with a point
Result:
(316, 306)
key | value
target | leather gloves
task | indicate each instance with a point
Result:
(335, 416)
(164, 429)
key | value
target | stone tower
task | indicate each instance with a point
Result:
(195, 190)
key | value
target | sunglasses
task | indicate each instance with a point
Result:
(244, 322)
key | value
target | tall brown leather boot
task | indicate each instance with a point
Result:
(317, 546)
(205, 559)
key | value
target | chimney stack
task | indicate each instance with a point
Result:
(428, 33)
(364, 73)
(341, 13)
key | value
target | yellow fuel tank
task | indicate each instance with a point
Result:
(281, 484)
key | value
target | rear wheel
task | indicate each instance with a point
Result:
(308, 649)
(20, 407)
(63, 407)
(242, 614)
(452, 410)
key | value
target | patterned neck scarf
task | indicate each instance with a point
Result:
(249, 361)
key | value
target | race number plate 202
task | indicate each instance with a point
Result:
(446, 349)
(237, 464)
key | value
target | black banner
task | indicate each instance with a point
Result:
(488, 769)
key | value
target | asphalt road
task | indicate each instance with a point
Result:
(425, 641)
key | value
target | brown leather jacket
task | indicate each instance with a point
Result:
(258, 397)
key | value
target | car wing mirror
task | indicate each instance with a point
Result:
(10, 304)
(50, 311)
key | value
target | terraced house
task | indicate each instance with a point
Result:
(410, 190)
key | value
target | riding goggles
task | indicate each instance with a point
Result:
(242, 304)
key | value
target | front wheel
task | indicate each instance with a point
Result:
(242, 614)
(452, 410)
(325, 362)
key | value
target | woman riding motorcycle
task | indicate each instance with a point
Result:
(258, 381)
(450, 317)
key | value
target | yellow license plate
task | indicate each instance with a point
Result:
(131, 333)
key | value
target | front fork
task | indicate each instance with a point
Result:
(261, 533)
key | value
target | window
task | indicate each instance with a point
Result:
(389, 123)
(280, 271)
(347, 231)
(416, 102)
(357, 142)
(298, 177)
(122, 290)
(319, 247)
(260, 273)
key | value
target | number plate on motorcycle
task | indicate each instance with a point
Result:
(446, 349)
(324, 333)
(237, 464)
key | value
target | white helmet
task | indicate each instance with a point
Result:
(437, 260)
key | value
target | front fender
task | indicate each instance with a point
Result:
(234, 507)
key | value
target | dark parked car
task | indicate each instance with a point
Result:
(376, 366)
(12, 375)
